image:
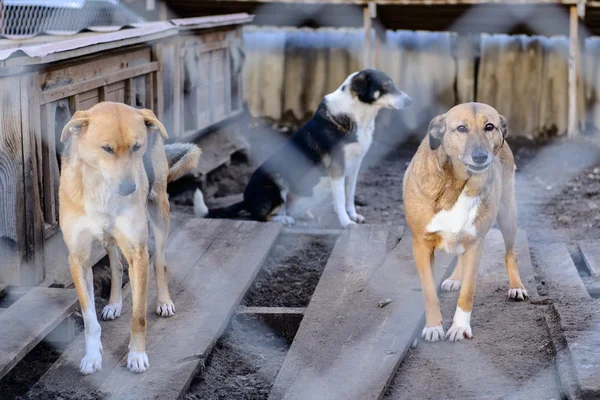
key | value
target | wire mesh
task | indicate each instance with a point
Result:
(27, 18)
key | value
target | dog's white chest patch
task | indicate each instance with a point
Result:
(455, 223)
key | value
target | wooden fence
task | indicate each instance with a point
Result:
(524, 77)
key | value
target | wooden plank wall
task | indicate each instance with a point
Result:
(198, 80)
(12, 203)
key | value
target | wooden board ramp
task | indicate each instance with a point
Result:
(211, 265)
(28, 320)
(590, 250)
(575, 330)
(347, 347)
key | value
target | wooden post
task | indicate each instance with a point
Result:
(573, 128)
(367, 62)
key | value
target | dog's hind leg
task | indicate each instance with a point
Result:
(159, 211)
(81, 271)
(339, 201)
(453, 282)
(115, 303)
(507, 222)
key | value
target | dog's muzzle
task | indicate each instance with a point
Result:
(401, 101)
(126, 187)
(479, 161)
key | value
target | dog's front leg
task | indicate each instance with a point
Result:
(115, 303)
(81, 271)
(461, 324)
(137, 258)
(339, 201)
(423, 253)
(350, 182)
(131, 235)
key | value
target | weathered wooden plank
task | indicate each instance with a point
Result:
(12, 201)
(51, 173)
(177, 91)
(573, 126)
(32, 270)
(272, 310)
(26, 322)
(83, 86)
(185, 249)
(347, 346)
(585, 354)
(590, 249)
(207, 298)
(217, 149)
(561, 276)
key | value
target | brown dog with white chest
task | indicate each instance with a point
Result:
(459, 182)
(115, 170)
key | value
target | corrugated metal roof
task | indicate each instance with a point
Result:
(27, 18)
(30, 51)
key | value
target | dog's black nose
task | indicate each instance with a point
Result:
(479, 157)
(127, 187)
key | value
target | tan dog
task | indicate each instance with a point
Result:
(458, 183)
(115, 169)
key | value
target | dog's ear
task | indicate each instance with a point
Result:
(503, 126)
(153, 123)
(437, 128)
(360, 85)
(73, 127)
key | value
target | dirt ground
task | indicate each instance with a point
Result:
(246, 359)
(558, 195)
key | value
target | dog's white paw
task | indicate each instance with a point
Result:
(461, 326)
(459, 332)
(450, 285)
(433, 333)
(166, 309)
(517, 294)
(359, 219)
(284, 219)
(111, 311)
(137, 362)
(347, 223)
(91, 363)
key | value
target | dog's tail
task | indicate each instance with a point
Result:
(201, 210)
(182, 158)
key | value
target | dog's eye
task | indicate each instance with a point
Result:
(462, 129)
(489, 127)
(135, 147)
(107, 149)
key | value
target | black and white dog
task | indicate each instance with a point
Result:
(333, 143)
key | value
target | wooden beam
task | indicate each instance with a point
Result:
(368, 45)
(70, 90)
(573, 128)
